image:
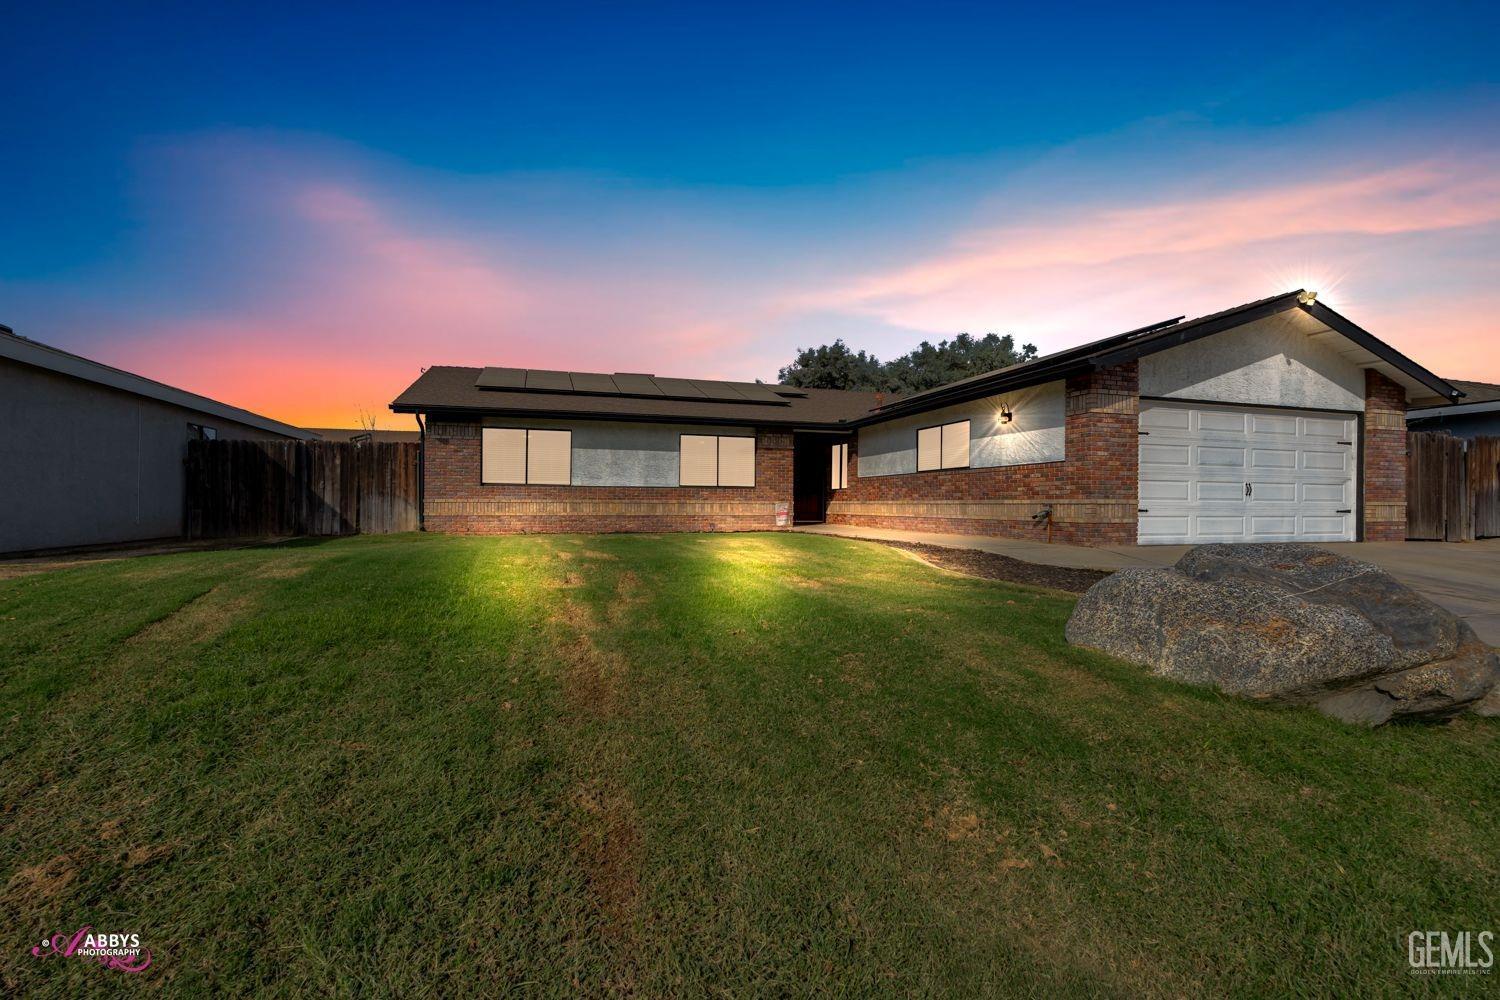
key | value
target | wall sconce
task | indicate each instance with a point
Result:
(1005, 415)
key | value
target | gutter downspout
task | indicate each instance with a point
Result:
(421, 473)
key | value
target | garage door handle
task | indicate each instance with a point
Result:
(1142, 510)
(1344, 511)
(1248, 491)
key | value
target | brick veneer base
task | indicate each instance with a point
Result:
(456, 502)
(1097, 478)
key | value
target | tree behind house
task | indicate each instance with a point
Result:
(835, 366)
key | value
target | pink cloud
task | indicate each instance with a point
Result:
(1081, 273)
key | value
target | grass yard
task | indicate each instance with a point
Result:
(670, 765)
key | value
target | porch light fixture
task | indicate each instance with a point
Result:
(1006, 416)
(1307, 298)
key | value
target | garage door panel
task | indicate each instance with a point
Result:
(1220, 526)
(1326, 461)
(1263, 527)
(1165, 454)
(1333, 526)
(1164, 489)
(1166, 418)
(1326, 493)
(1273, 458)
(1272, 492)
(1164, 526)
(1332, 430)
(1197, 459)
(1270, 423)
(1221, 457)
(1221, 421)
(1234, 491)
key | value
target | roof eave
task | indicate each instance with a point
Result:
(1385, 352)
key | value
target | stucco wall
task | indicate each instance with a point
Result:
(82, 464)
(607, 453)
(1270, 361)
(1035, 434)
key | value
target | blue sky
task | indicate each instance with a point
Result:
(706, 185)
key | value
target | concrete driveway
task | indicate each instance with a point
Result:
(1462, 577)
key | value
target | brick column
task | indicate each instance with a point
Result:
(1384, 459)
(1103, 413)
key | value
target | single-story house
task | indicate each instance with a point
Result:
(1476, 415)
(1276, 420)
(93, 455)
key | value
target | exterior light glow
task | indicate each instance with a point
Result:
(1308, 298)
(1006, 416)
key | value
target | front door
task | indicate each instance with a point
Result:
(810, 478)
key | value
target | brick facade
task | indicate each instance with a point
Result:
(455, 501)
(1092, 492)
(1384, 460)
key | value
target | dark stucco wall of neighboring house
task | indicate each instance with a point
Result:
(1464, 425)
(85, 464)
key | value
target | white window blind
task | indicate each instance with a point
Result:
(840, 477)
(736, 461)
(943, 447)
(503, 455)
(929, 449)
(516, 455)
(698, 460)
(956, 445)
(549, 457)
(712, 460)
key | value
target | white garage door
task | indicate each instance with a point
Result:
(1233, 474)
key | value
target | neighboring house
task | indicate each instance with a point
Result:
(94, 455)
(359, 435)
(1277, 420)
(1476, 415)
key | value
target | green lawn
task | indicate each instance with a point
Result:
(670, 765)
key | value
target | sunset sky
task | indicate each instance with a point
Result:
(296, 213)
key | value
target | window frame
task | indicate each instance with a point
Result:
(525, 454)
(754, 461)
(939, 428)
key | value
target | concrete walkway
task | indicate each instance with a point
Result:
(1464, 578)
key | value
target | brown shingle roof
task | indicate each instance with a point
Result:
(451, 389)
(1474, 392)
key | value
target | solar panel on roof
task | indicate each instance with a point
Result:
(556, 381)
(751, 390)
(593, 382)
(636, 385)
(721, 391)
(679, 387)
(501, 378)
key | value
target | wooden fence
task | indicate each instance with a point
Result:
(256, 488)
(1452, 487)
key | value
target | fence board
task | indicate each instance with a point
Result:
(1483, 469)
(255, 488)
(1452, 487)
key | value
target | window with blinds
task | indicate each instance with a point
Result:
(516, 455)
(840, 472)
(945, 446)
(716, 460)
